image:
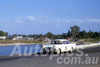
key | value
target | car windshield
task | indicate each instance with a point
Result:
(56, 42)
(60, 42)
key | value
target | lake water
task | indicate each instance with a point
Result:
(7, 50)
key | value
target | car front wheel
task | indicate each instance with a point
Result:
(58, 51)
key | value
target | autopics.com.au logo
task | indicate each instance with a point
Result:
(77, 57)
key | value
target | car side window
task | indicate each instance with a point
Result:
(67, 42)
(64, 42)
(55, 42)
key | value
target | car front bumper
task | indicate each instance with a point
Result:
(49, 50)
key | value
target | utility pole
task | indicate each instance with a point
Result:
(16, 37)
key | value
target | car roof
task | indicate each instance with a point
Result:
(60, 40)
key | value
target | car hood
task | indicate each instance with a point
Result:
(49, 45)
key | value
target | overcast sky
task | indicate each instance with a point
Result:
(42, 16)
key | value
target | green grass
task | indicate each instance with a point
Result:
(88, 41)
(91, 40)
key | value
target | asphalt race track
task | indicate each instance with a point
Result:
(51, 61)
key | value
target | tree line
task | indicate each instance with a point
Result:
(73, 33)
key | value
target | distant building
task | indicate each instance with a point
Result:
(17, 38)
(27, 38)
(3, 37)
(21, 38)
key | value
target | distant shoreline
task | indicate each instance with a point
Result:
(13, 44)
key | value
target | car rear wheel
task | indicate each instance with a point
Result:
(70, 51)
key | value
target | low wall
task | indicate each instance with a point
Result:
(88, 45)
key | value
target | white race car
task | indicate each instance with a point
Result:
(58, 46)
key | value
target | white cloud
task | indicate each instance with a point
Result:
(43, 17)
(63, 20)
(31, 18)
(25, 19)
(55, 21)
(94, 20)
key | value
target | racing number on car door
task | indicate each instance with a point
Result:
(65, 48)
